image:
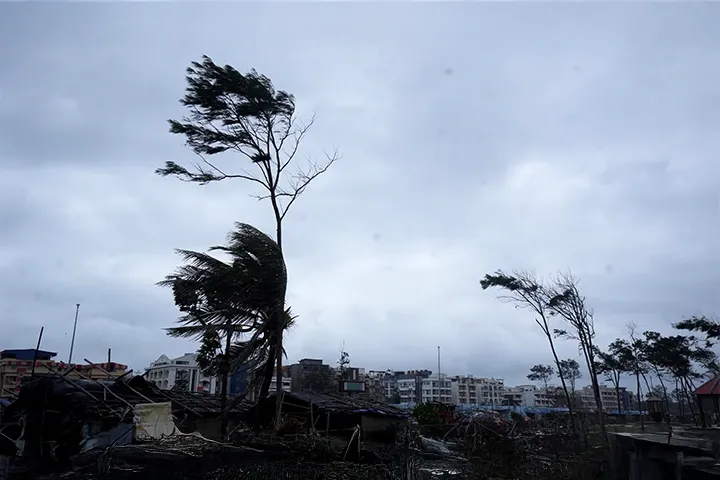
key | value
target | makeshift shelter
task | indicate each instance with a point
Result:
(332, 413)
(60, 417)
(708, 400)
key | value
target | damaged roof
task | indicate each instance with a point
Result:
(101, 396)
(334, 402)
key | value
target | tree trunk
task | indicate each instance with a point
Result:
(267, 373)
(557, 364)
(278, 319)
(639, 400)
(546, 329)
(224, 386)
(587, 346)
(685, 389)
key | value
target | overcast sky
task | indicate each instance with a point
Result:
(474, 137)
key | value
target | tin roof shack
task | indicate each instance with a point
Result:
(53, 417)
(333, 414)
(56, 418)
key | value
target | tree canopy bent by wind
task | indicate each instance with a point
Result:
(223, 298)
(243, 114)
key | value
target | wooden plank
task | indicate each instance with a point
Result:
(128, 386)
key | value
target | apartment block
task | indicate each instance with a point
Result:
(437, 389)
(470, 390)
(464, 390)
(376, 386)
(16, 369)
(407, 386)
(490, 391)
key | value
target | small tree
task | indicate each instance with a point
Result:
(570, 371)
(613, 364)
(541, 373)
(231, 112)
(343, 364)
(635, 357)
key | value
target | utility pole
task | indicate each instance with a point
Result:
(72, 342)
(35, 357)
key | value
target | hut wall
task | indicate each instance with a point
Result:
(381, 427)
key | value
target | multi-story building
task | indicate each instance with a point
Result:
(437, 389)
(470, 390)
(377, 385)
(181, 373)
(491, 391)
(527, 396)
(407, 391)
(16, 369)
(464, 390)
(406, 387)
(312, 375)
(608, 397)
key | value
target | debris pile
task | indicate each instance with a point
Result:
(519, 447)
(193, 457)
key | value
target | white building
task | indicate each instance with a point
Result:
(405, 388)
(181, 372)
(469, 390)
(608, 397)
(491, 391)
(436, 390)
(528, 396)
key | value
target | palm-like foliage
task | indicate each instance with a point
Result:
(258, 352)
(226, 298)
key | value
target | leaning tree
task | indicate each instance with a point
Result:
(252, 133)
(524, 290)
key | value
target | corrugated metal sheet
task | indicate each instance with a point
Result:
(340, 403)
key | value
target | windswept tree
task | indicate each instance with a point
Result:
(222, 299)
(524, 290)
(253, 134)
(541, 373)
(707, 326)
(566, 302)
(677, 357)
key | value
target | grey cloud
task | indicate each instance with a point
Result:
(474, 137)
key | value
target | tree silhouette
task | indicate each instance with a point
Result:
(243, 114)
